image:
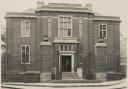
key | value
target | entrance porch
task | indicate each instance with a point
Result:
(66, 66)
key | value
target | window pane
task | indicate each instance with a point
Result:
(27, 49)
(65, 19)
(23, 48)
(100, 27)
(65, 32)
(23, 57)
(69, 25)
(69, 19)
(104, 27)
(22, 25)
(65, 25)
(27, 25)
(27, 58)
(27, 28)
(61, 19)
(100, 34)
(104, 33)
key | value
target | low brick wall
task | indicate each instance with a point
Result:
(12, 78)
(115, 76)
(29, 77)
(3, 77)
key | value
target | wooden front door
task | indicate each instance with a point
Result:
(66, 63)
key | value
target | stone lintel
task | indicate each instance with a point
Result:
(45, 44)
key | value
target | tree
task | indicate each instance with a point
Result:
(3, 48)
(3, 41)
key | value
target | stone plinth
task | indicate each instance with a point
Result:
(46, 60)
(101, 61)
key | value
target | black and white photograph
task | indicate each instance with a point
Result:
(65, 44)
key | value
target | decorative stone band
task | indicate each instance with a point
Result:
(33, 72)
(21, 16)
(46, 43)
(64, 10)
(65, 40)
(32, 16)
(106, 19)
(101, 45)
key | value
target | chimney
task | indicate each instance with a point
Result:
(40, 4)
(89, 6)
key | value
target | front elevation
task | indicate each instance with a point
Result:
(57, 41)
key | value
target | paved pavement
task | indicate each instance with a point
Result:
(105, 85)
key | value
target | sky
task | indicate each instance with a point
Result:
(105, 7)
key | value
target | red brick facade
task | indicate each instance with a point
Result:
(45, 59)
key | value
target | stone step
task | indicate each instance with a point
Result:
(69, 75)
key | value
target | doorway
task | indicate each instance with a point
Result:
(66, 63)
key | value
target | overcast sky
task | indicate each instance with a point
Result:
(105, 7)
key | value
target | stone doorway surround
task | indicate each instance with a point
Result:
(72, 60)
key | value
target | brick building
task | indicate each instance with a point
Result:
(59, 39)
